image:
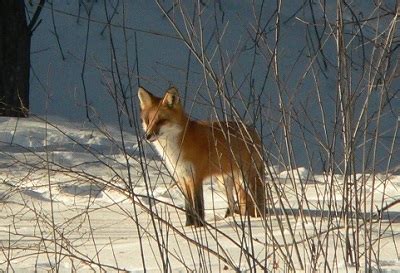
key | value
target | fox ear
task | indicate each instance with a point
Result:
(145, 98)
(171, 98)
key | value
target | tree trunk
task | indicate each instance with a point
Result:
(15, 40)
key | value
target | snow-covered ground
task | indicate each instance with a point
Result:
(76, 197)
(66, 203)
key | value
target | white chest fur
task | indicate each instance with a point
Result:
(169, 148)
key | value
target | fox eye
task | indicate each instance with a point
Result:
(161, 122)
(145, 120)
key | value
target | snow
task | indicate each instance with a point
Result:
(72, 182)
(82, 187)
(297, 174)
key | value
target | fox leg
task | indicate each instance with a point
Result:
(242, 199)
(229, 190)
(255, 194)
(251, 194)
(259, 195)
(194, 203)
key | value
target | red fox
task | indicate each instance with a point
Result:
(195, 150)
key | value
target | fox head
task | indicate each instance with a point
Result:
(160, 116)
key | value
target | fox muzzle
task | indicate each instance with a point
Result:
(151, 136)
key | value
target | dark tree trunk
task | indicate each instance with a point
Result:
(15, 41)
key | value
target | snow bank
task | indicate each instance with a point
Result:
(84, 186)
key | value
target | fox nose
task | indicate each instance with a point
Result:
(147, 136)
(150, 136)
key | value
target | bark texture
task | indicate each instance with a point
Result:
(15, 40)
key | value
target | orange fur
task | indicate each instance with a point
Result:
(194, 150)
